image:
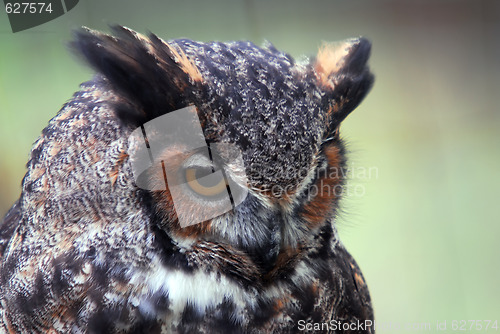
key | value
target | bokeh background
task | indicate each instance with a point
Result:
(424, 224)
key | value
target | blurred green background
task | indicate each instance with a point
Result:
(425, 226)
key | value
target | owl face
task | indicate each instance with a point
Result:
(255, 158)
(189, 187)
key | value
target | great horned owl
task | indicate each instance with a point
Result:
(91, 246)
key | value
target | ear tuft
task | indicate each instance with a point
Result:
(330, 60)
(341, 70)
(185, 64)
(337, 58)
(149, 73)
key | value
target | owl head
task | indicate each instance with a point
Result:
(267, 129)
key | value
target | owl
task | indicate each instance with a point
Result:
(189, 187)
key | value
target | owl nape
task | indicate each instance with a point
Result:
(189, 187)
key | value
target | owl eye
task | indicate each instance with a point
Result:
(204, 181)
